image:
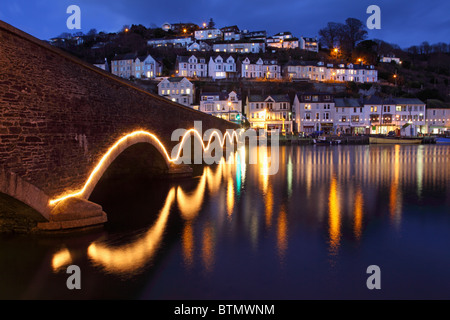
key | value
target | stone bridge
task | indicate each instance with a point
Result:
(62, 122)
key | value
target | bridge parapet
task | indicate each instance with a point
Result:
(60, 116)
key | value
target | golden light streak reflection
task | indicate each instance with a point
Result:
(282, 229)
(334, 216)
(188, 244)
(61, 258)
(358, 214)
(132, 257)
(214, 179)
(111, 153)
(263, 164)
(269, 206)
(190, 204)
(208, 247)
(230, 197)
(395, 193)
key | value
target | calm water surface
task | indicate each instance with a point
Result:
(234, 232)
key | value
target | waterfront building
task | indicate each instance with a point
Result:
(227, 106)
(410, 116)
(269, 112)
(351, 116)
(437, 117)
(314, 111)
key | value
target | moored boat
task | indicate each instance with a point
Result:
(394, 140)
(443, 140)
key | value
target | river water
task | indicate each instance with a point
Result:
(234, 231)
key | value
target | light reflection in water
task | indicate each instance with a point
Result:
(340, 182)
(334, 216)
(132, 257)
(188, 244)
(61, 258)
(358, 213)
(395, 199)
(230, 196)
(282, 229)
(208, 243)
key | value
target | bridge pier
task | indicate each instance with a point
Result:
(73, 213)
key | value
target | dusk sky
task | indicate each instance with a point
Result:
(404, 22)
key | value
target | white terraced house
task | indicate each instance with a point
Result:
(177, 89)
(221, 68)
(259, 68)
(191, 66)
(318, 71)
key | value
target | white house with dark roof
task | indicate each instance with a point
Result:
(269, 112)
(122, 65)
(177, 42)
(314, 111)
(352, 72)
(231, 33)
(208, 34)
(177, 89)
(283, 40)
(199, 46)
(222, 68)
(438, 116)
(309, 44)
(410, 116)
(254, 68)
(191, 66)
(146, 67)
(223, 105)
(242, 46)
(319, 71)
(351, 116)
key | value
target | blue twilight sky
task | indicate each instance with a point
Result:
(404, 22)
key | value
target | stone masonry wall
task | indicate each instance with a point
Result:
(58, 115)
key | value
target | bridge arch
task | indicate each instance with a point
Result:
(109, 156)
(19, 189)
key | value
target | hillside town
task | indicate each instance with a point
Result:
(204, 56)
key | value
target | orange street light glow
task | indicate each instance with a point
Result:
(109, 155)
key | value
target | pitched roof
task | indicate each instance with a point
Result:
(275, 97)
(347, 102)
(126, 56)
(222, 95)
(176, 79)
(408, 101)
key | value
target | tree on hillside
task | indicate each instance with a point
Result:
(354, 31)
(345, 36)
(211, 23)
(329, 34)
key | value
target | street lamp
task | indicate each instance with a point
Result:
(336, 51)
